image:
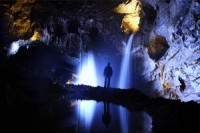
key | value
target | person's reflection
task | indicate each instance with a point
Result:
(106, 117)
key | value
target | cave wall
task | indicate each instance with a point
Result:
(165, 49)
(67, 25)
(176, 73)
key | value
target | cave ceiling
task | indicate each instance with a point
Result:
(34, 19)
(26, 13)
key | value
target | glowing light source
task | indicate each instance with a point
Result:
(36, 36)
(87, 71)
(124, 82)
(14, 47)
(69, 82)
(86, 112)
(131, 21)
(73, 79)
(87, 76)
(133, 7)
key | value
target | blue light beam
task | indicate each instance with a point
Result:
(87, 76)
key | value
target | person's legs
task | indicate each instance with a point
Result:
(105, 82)
(108, 84)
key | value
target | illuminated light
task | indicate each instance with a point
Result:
(36, 36)
(86, 112)
(74, 75)
(87, 72)
(130, 24)
(124, 82)
(14, 47)
(73, 103)
(69, 82)
(133, 7)
(87, 76)
(147, 122)
(73, 79)
(132, 11)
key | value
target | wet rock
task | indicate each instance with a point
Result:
(178, 23)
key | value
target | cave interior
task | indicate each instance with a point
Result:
(53, 53)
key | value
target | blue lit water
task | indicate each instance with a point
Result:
(139, 121)
(124, 82)
(61, 116)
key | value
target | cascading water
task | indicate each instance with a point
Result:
(125, 72)
(87, 76)
(125, 82)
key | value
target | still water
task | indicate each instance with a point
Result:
(105, 118)
(75, 116)
(72, 116)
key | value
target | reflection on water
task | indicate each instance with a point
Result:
(61, 117)
(85, 112)
(106, 116)
(107, 120)
(123, 119)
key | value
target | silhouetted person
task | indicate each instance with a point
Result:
(106, 117)
(107, 73)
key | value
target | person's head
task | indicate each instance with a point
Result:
(108, 63)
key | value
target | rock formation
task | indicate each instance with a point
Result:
(166, 47)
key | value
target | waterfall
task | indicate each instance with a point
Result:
(125, 72)
(125, 82)
(87, 76)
